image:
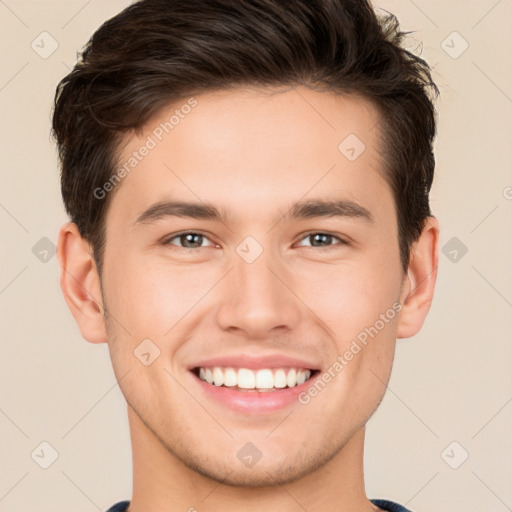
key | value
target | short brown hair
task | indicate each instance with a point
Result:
(158, 51)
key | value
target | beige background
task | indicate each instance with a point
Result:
(452, 382)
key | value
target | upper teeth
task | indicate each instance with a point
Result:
(264, 378)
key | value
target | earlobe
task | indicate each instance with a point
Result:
(80, 283)
(418, 288)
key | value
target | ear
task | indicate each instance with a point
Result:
(418, 287)
(80, 283)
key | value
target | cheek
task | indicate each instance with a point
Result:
(351, 296)
(149, 298)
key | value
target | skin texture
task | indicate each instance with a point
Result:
(252, 153)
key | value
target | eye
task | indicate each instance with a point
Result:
(194, 240)
(323, 240)
(188, 239)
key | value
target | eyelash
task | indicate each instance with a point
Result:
(167, 241)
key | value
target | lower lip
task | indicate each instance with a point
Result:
(253, 402)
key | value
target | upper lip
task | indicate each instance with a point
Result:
(256, 362)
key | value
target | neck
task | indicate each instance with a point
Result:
(163, 482)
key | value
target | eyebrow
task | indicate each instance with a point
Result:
(300, 210)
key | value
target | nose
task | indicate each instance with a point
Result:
(257, 300)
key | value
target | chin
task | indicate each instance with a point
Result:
(251, 478)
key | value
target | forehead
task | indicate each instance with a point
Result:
(253, 148)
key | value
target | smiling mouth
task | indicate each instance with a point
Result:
(261, 380)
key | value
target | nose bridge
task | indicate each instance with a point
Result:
(256, 300)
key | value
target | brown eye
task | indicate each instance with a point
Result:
(188, 240)
(322, 240)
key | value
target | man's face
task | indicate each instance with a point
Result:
(259, 289)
